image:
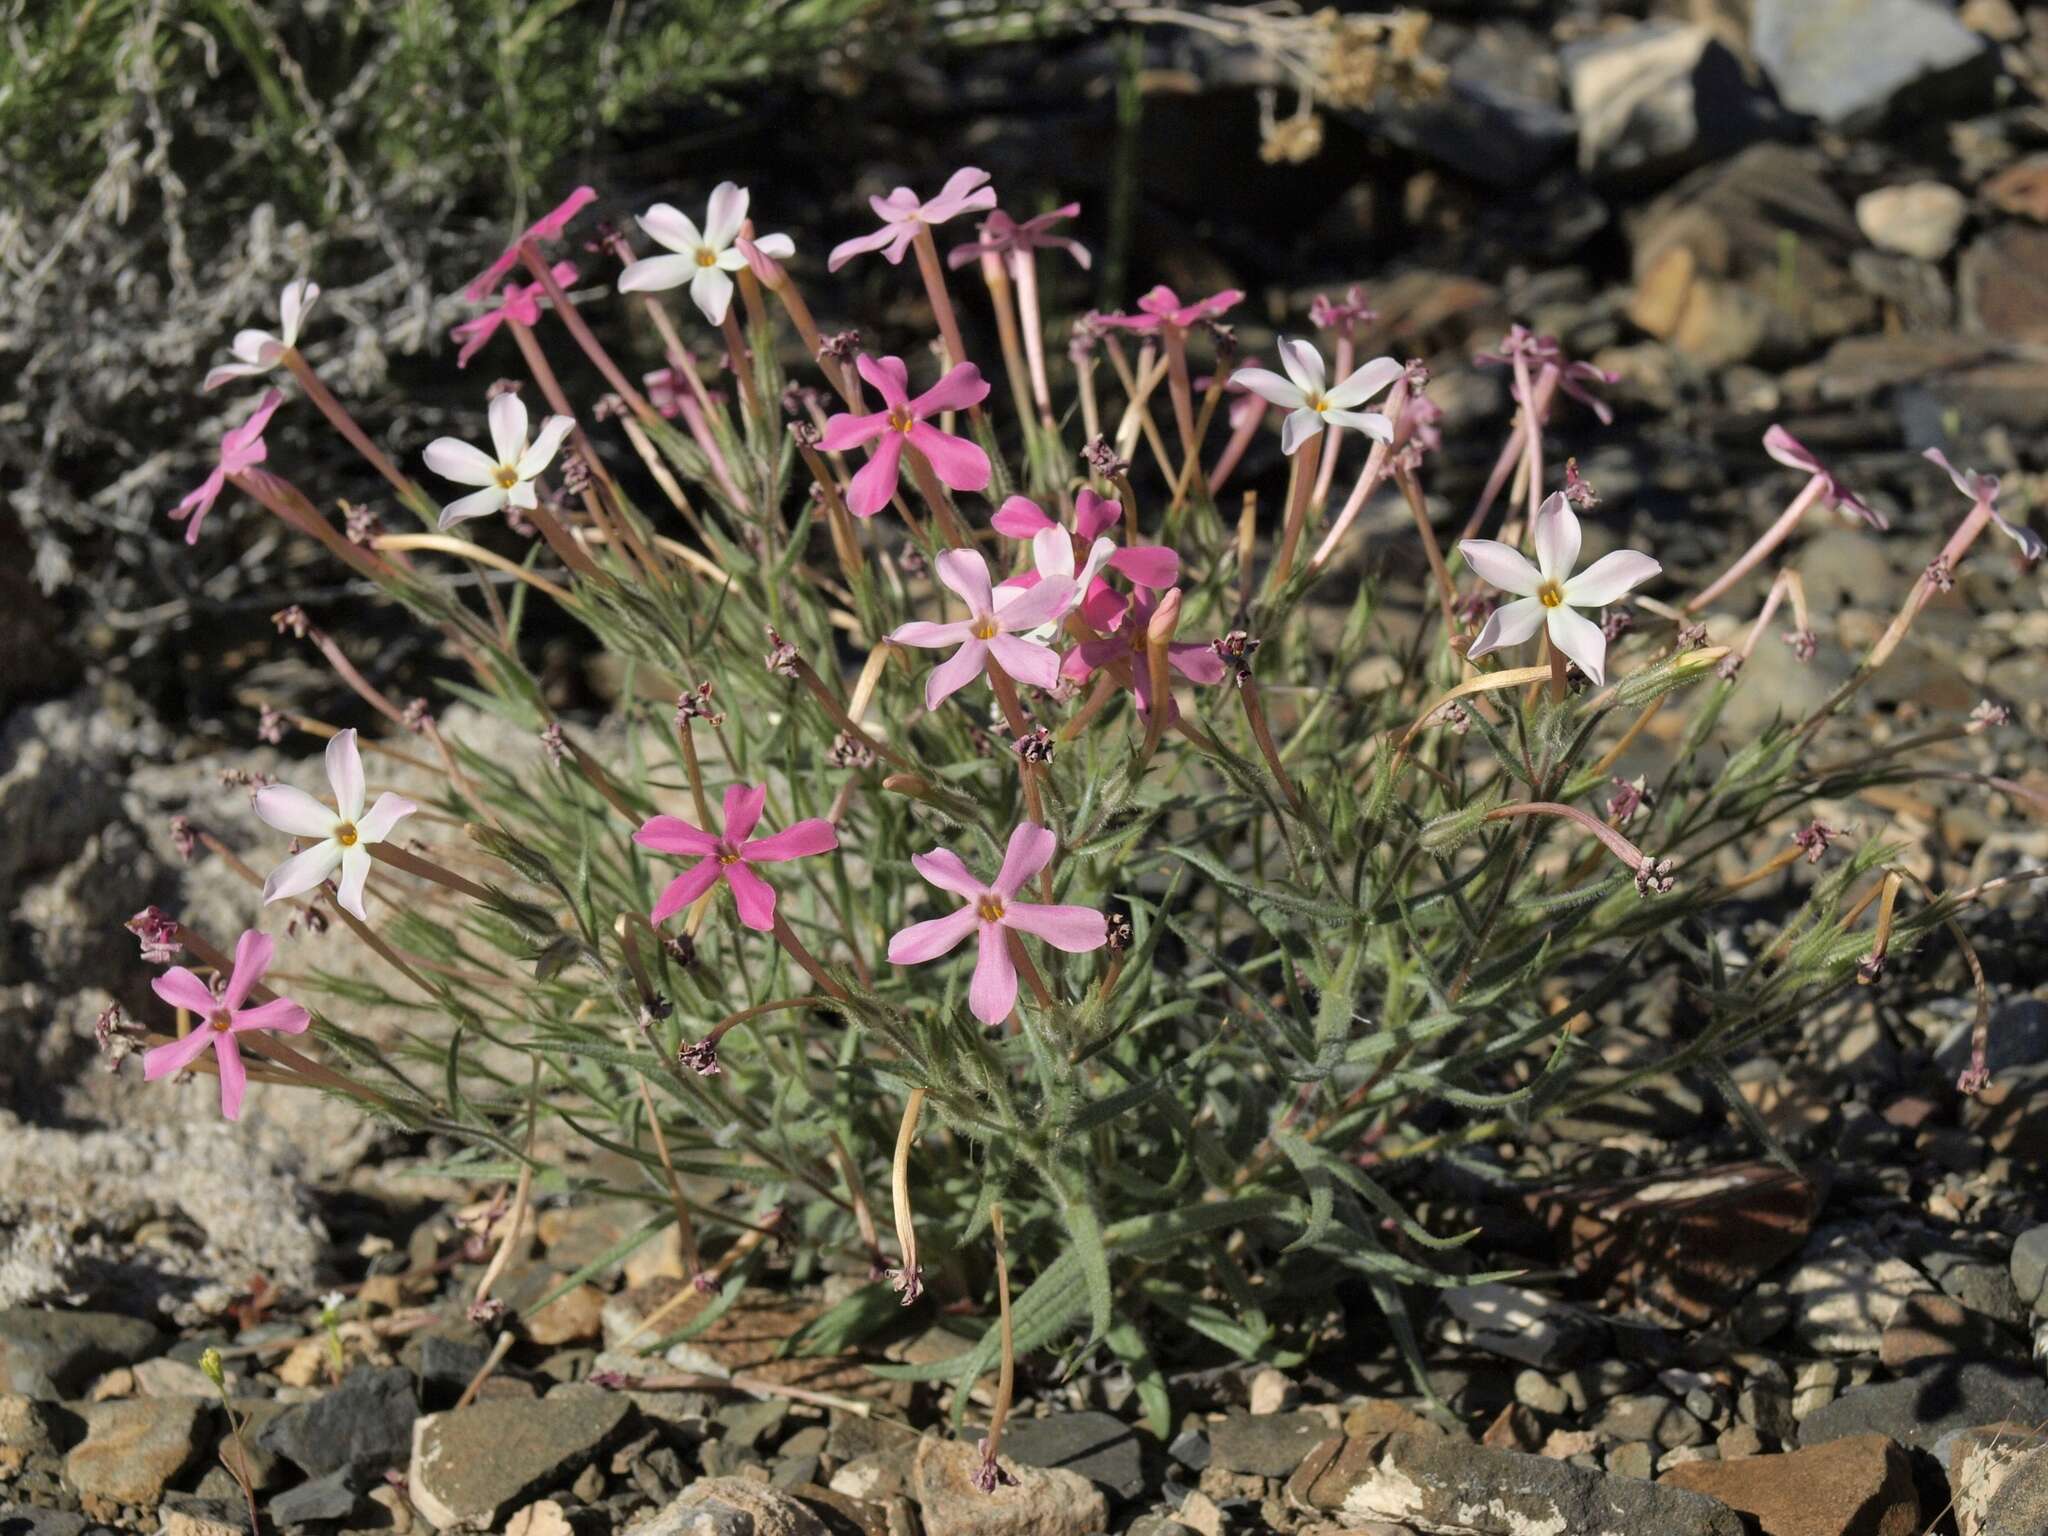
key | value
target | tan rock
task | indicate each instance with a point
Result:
(1044, 1501)
(547, 1518)
(1859, 1486)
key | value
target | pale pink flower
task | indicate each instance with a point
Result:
(991, 629)
(706, 258)
(1162, 306)
(521, 303)
(220, 1019)
(1312, 404)
(506, 473)
(957, 462)
(1542, 352)
(991, 912)
(1055, 551)
(902, 216)
(1793, 454)
(256, 352)
(241, 448)
(1983, 490)
(1123, 653)
(1002, 235)
(548, 227)
(342, 833)
(1547, 592)
(1346, 316)
(730, 855)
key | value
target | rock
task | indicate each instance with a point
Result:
(52, 1354)
(481, 1462)
(1268, 1444)
(2002, 281)
(1456, 1490)
(1535, 1390)
(365, 1423)
(1046, 1501)
(1845, 1299)
(187, 1515)
(1272, 1392)
(546, 1518)
(1935, 1399)
(336, 1496)
(732, 1506)
(1519, 1324)
(1097, 1446)
(1656, 99)
(2021, 189)
(1685, 1247)
(1939, 1328)
(1853, 63)
(1859, 1486)
(133, 1450)
(1648, 1416)
(2030, 1269)
(1496, 120)
(2019, 1507)
(1979, 1462)
(1916, 218)
(22, 1520)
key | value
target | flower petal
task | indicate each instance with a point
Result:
(1366, 381)
(961, 387)
(1304, 365)
(2030, 542)
(292, 304)
(844, 431)
(1298, 428)
(685, 889)
(948, 871)
(1790, 452)
(1095, 515)
(1510, 624)
(1582, 640)
(711, 292)
(670, 226)
(280, 1014)
(1196, 662)
(1030, 850)
(301, 872)
(1020, 517)
(234, 1077)
(1557, 538)
(889, 377)
(1501, 565)
(957, 462)
(671, 834)
(657, 274)
(508, 419)
(1268, 385)
(253, 951)
(227, 373)
(1047, 600)
(161, 1061)
(476, 504)
(1026, 661)
(930, 637)
(1073, 929)
(875, 482)
(1147, 565)
(932, 938)
(1371, 423)
(355, 874)
(859, 245)
(377, 823)
(1610, 577)
(545, 446)
(181, 989)
(743, 804)
(993, 992)
(725, 214)
(799, 840)
(965, 574)
(955, 673)
(464, 463)
(345, 774)
(754, 897)
(294, 811)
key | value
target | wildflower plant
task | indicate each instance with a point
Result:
(1254, 943)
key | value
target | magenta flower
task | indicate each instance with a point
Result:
(1983, 490)
(1793, 454)
(957, 462)
(729, 857)
(902, 216)
(1162, 306)
(1055, 551)
(991, 629)
(548, 227)
(342, 833)
(990, 911)
(240, 448)
(222, 1018)
(517, 303)
(1002, 235)
(1123, 654)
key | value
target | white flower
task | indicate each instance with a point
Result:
(344, 832)
(1310, 405)
(506, 478)
(256, 351)
(1548, 592)
(703, 259)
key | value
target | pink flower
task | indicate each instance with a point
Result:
(902, 216)
(222, 1018)
(1162, 306)
(991, 629)
(240, 448)
(957, 462)
(1983, 490)
(1793, 454)
(1123, 652)
(1544, 352)
(990, 911)
(1054, 552)
(257, 352)
(344, 834)
(547, 227)
(730, 856)
(1002, 235)
(517, 303)
(1345, 316)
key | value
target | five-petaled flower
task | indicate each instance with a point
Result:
(343, 832)
(506, 473)
(728, 856)
(1983, 490)
(219, 1019)
(257, 352)
(1311, 403)
(992, 912)
(706, 258)
(1055, 550)
(548, 226)
(992, 630)
(1002, 235)
(1793, 454)
(1124, 653)
(519, 302)
(1162, 306)
(903, 215)
(956, 461)
(1548, 593)
(241, 448)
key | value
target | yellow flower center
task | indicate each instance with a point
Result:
(1550, 595)
(901, 421)
(222, 1022)
(985, 628)
(706, 257)
(507, 476)
(1319, 404)
(346, 834)
(991, 910)
(728, 856)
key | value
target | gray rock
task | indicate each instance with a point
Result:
(1435, 1484)
(337, 1496)
(1497, 118)
(1269, 1444)
(23, 1520)
(1535, 1390)
(134, 1449)
(1519, 1324)
(1044, 1501)
(1191, 1449)
(1649, 1416)
(365, 1423)
(1845, 1299)
(1923, 1407)
(480, 1463)
(2020, 1506)
(1852, 63)
(2018, 1038)
(732, 1506)
(1656, 99)
(1098, 1446)
(2030, 1269)
(51, 1354)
